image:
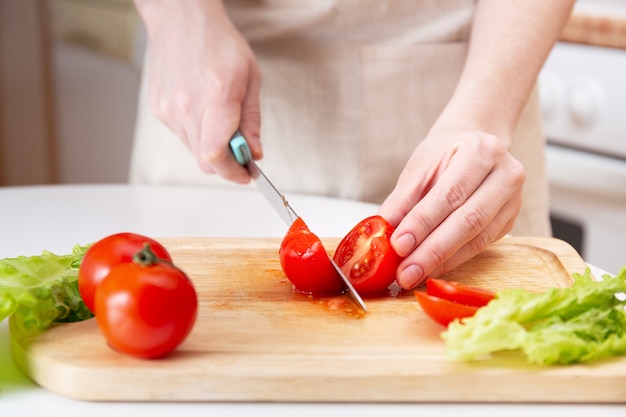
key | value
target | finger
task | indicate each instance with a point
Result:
(407, 193)
(218, 124)
(460, 179)
(487, 216)
(250, 123)
(162, 108)
(477, 245)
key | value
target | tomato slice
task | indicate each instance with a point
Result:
(458, 293)
(306, 263)
(441, 310)
(366, 257)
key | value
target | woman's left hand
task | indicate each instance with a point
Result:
(460, 191)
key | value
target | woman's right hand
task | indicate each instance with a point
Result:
(204, 80)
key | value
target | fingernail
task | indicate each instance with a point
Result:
(405, 244)
(258, 148)
(410, 277)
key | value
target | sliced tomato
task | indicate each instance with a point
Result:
(458, 293)
(441, 310)
(306, 263)
(366, 257)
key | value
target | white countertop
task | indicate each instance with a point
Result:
(55, 218)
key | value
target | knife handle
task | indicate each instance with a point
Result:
(240, 149)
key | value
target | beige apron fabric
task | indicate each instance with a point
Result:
(349, 88)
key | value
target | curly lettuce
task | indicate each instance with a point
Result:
(581, 323)
(42, 289)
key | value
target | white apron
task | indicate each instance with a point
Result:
(349, 88)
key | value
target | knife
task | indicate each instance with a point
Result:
(242, 154)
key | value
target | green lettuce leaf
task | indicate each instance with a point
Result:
(43, 288)
(584, 322)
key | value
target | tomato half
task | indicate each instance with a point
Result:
(306, 263)
(105, 254)
(441, 310)
(366, 257)
(145, 308)
(458, 293)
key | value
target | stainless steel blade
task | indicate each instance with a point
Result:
(276, 199)
(349, 288)
(240, 149)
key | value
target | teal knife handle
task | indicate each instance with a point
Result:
(240, 149)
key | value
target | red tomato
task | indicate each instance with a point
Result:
(146, 308)
(459, 293)
(107, 253)
(306, 263)
(443, 311)
(366, 257)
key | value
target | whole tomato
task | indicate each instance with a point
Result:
(306, 263)
(147, 307)
(107, 253)
(366, 257)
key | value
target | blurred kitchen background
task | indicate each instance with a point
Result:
(70, 73)
(69, 79)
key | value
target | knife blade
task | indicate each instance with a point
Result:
(241, 151)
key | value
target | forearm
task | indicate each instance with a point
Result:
(509, 44)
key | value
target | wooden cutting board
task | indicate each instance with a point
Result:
(257, 340)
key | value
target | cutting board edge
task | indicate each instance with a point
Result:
(486, 387)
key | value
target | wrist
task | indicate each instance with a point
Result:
(157, 13)
(447, 125)
(473, 111)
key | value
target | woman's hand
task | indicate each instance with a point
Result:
(204, 80)
(460, 191)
